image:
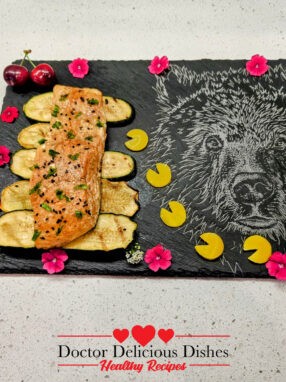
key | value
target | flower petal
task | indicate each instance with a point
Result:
(59, 254)
(154, 266)
(281, 274)
(149, 256)
(166, 255)
(277, 257)
(47, 257)
(164, 264)
(272, 268)
(50, 267)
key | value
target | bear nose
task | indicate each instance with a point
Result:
(251, 188)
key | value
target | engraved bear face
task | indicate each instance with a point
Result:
(224, 134)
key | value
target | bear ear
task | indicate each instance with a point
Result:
(173, 86)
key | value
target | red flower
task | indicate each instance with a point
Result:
(276, 265)
(10, 114)
(79, 67)
(158, 65)
(54, 260)
(158, 257)
(4, 155)
(257, 65)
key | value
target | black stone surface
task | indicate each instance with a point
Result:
(131, 81)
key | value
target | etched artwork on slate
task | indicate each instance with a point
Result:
(222, 132)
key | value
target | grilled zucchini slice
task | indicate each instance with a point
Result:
(116, 198)
(111, 232)
(39, 108)
(23, 162)
(115, 165)
(33, 136)
(117, 110)
(16, 197)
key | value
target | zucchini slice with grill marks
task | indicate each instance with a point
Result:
(33, 136)
(16, 196)
(111, 232)
(39, 108)
(116, 198)
(115, 164)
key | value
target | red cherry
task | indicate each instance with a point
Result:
(43, 75)
(16, 75)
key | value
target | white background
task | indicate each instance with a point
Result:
(33, 309)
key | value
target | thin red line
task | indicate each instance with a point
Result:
(209, 364)
(77, 364)
(202, 336)
(84, 336)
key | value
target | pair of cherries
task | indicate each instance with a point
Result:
(18, 75)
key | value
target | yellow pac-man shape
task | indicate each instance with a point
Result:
(214, 247)
(138, 141)
(176, 217)
(261, 246)
(161, 178)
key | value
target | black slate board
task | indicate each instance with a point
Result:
(166, 107)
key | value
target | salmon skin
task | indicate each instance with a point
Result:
(65, 184)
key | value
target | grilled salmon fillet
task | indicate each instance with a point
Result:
(65, 184)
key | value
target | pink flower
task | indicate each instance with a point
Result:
(257, 65)
(158, 65)
(276, 265)
(10, 114)
(54, 260)
(79, 67)
(158, 257)
(4, 155)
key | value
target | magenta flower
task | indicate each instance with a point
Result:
(257, 65)
(4, 155)
(158, 257)
(54, 260)
(79, 67)
(9, 114)
(276, 265)
(158, 65)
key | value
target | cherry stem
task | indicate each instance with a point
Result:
(26, 57)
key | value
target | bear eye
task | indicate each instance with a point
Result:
(280, 142)
(213, 143)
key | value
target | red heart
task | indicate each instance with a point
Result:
(166, 334)
(143, 335)
(120, 334)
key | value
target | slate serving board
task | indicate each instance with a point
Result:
(187, 89)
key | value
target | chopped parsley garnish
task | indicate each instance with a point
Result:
(89, 138)
(36, 235)
(99, 124)
(46, 207)
(59, 230)
(92, 101)
(73, 157)
(81, 187)
(78, 214)
(35, 189)
(78, 114)
(35, 166)
(53, 153)
(52, 171)
(70, 134)
(63, 97)
(60, 195)
(42, 141)
(55, 111)
(57, 125)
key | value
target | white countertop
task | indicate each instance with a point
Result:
(35, 309)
